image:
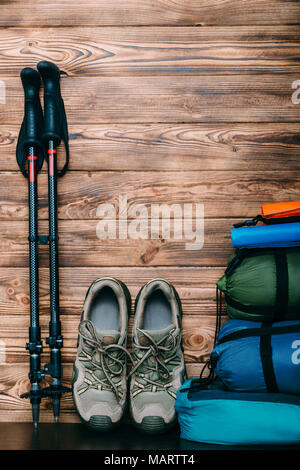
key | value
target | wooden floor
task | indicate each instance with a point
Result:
(185, 101)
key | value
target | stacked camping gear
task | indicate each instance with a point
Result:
(255, 396)
(40, 135)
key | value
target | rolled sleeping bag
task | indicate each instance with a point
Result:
(258, 357)
(263, 285)
(217, 416)
(281, 209)
(278, 235)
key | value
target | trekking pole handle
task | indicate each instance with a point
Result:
(31, 83)
(55, 120)
(52, 100)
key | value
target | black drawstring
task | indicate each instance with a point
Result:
(203, 382)
(265, 220)
(219, 298)
(210, 365)
(249, 223)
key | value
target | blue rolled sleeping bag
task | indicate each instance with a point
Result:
(217, 416)
(263, 236)
(258, 357)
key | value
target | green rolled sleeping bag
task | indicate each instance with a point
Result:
(263, 284)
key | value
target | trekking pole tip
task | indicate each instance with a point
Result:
(35, 414)
(56, 408)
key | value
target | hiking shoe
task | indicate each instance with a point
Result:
(99, 375)
(158, 365)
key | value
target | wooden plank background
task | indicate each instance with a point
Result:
(168, 102)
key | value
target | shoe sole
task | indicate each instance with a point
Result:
(101, 423)
(153, 425)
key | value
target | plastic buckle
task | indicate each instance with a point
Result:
(35, 347)
(55, 341)
(36, 376)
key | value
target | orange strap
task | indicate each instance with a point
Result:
(281, 209)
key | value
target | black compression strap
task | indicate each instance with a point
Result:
(282, 281)
(265, 333)
(249, 308)
(260, 331)
(281, 220)
(267, 362)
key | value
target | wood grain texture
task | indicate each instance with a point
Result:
(160, 111)
(14, 382)
(224, 193)
(163, 147)
(195, 285)
(197, 331)
(160, 51)
(143, 12)
(232, 98)
(80, 246)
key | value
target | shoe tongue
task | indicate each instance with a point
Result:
(157, 335)
(106, 336)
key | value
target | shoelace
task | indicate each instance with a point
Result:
(156, 350)
(107, 363)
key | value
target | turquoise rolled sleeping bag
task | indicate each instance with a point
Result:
(258, 357)
(215, 415)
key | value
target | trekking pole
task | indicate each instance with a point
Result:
(55, 130)
(29, 149)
